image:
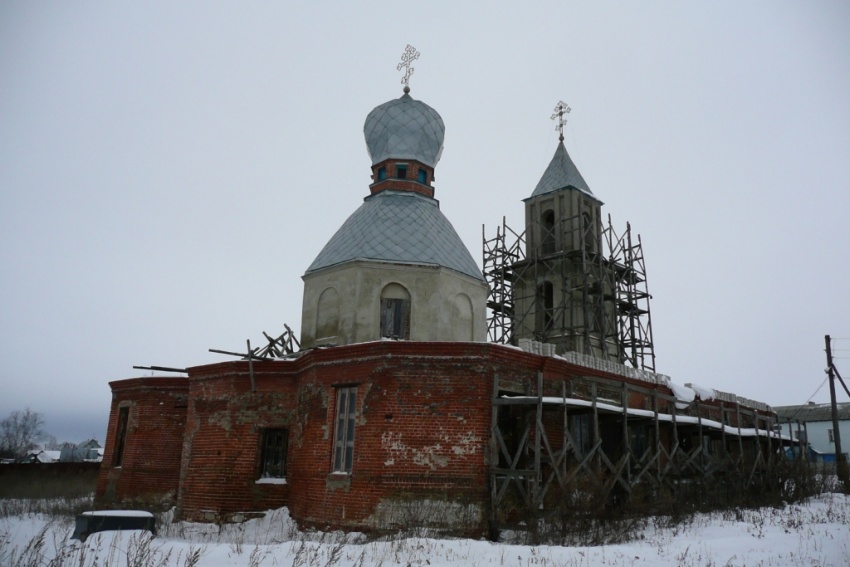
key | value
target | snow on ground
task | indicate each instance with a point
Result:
(814, 533)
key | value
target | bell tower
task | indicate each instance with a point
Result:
(564, 292)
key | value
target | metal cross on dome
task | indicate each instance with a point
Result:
(560, 109)
(409, 56)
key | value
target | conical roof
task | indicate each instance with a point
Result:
(398, 227)
(561, 173)
(404, 128)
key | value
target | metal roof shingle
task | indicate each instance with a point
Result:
(560, 174)
(398, 227)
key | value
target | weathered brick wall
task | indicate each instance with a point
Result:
(422, 432)
(150, 466)
(422, 429)
(221, 449)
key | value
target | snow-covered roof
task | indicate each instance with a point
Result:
(679, 419)
(813, 412)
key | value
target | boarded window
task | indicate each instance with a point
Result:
(346, 402)
(121, 436)
(273, 453)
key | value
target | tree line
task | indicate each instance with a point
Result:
(21, 432)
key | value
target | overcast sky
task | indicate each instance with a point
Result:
(168, 172)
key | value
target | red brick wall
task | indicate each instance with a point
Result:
(153, 442)
(422, 427)
(224, 425)
(422, 433)
(422, 430)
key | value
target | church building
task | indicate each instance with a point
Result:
(399, 409)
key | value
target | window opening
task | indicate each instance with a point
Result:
(582, 433)
(401, 171)
(395, 318)
(831, 435)
(548, 226)
(589, 235)
(423, 176)
(545, 306)
(273, 453)
(346, 401)
(382, 173)
(121, 437)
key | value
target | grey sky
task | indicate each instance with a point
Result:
(167, 173)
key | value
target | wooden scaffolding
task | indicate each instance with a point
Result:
(601, 301)
(591, 438)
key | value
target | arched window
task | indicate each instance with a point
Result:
(463, 317)
(547, 229)
(327, 314)
(395, 312)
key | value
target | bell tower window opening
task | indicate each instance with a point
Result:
(382, 173)
(422, 176)
(401, 171)
(589, 234)
(546, 305)
(547, 228)
(346, 403)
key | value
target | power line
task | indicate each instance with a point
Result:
(799, 409)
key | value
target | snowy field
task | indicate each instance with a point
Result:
(814, 533)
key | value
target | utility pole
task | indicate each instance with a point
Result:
(840, 462)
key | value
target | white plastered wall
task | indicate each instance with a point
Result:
(445, 305)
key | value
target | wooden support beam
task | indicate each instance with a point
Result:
(251, 366)
(597, 437)
(538, 430)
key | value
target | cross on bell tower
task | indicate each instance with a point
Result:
(560, 109)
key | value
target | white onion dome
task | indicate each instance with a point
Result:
(405, 129)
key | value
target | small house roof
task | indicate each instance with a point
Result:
(812, 412)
